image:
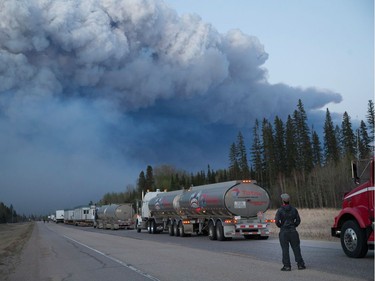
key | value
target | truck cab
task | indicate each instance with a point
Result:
(354, 225)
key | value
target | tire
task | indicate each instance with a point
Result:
(220, 231)
(211, 231)
(353, 240)
(181, 229)
(149, 226)
(170, 229)
(176, 230)
(153, 227)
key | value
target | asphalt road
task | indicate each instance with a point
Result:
(60, 252)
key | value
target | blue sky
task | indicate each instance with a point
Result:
(320, 43)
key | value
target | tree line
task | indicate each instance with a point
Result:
(285, 156)
(9, 214)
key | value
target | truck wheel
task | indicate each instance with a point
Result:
(170, 229)
(175, 229)
(149, 226)
(211, 231)
(353, 240)
(181, 229)
(153, 227)
(220, 231)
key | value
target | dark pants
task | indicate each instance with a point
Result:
(292, 238)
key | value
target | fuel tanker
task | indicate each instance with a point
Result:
(221, 210)
(115, 216)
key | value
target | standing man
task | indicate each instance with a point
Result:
(287, 219)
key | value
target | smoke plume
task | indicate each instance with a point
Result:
(93, 91)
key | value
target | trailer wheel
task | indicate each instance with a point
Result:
(181, 229)
(220, 231)
(353, 240)
(170, 229)
(153, 227)
(211, 231)
(176, 229)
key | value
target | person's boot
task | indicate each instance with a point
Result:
(301, 266)
(286, 268)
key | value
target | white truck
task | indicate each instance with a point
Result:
(221, 211)
(59, 216)
(84, 215)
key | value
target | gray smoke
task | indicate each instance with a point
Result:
(93, 91)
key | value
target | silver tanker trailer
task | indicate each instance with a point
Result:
(221, 210)
(115, 216)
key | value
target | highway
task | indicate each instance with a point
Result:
(69, 253)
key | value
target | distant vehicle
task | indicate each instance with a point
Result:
(221, 211)
(84, 216)
(68, 216)
(355, 222)
(59, 216)
(115, 216)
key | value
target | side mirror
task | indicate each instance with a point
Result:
(355, 177)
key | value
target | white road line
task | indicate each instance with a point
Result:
(115, 260)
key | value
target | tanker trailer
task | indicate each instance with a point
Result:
(115, 216)
(221, 210)
(156, 210)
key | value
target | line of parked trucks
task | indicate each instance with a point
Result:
(229, 209)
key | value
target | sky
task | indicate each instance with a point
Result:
(93, 91)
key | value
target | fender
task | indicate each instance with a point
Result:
(358, 213)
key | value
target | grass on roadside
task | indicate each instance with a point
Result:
(315, 223)
(12, 239)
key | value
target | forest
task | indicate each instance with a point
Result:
(9, 214)
(284, 156)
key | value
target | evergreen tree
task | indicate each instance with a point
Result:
(256, 152)
(280, 154)
(364, 142)
(234, 169)
(142, 182)
(316, 149)
(268, 152)
(303, 143)
(242, 157)
(370, 120)
(348, 143)
(331, 148)
(290, 146)
(150, 182)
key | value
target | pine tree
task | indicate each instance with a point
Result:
(331, 148)
(290, 146)
(279, 137)
(150, 182)
(303, 143)
(371, 120)
(348, 143)
(268, 151)
(316, 149)
(256, 152)
(234, 169)
(142, 182)
(242, 157)
(364, 142)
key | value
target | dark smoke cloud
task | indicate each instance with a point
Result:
(93, 91)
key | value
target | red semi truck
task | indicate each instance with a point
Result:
(355, 223)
